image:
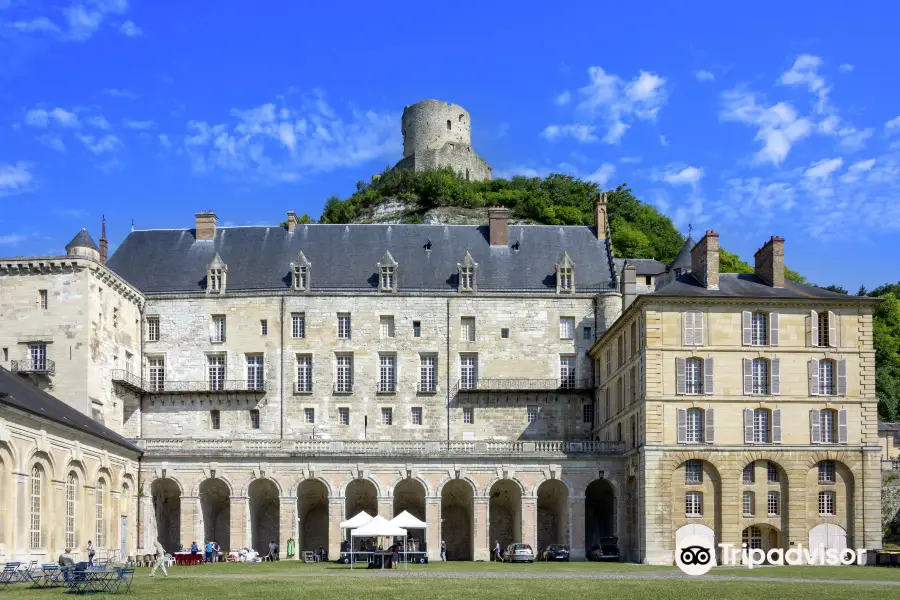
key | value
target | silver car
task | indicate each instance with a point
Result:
(519, 553)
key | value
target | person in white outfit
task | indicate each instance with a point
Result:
(160, 559)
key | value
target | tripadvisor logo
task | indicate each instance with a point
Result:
(696, 556)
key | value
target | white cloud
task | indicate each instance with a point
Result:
(704, 76)
(164, 141)
(823, 168)
(630, 160)
(582, 133)
(54, 142)
(13, 238)
(563, 99)
(520, 171)
(83, 23)
(778, 126)
(805, 71)
(846, 68)
(679, 175)
(602, 174)
(129, 29)
(100, 145)
(857, 170)
(663, 141)
(116, 93)
(140, 125)
(98, 122)
(15, 178)
(39, 117)
(893, 125)
(36, 25)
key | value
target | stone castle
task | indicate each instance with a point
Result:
(502, 382)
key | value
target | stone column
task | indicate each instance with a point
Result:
(190, 520)
(22, 519)
(728, 508)
(239, 508)
(335, 516)
(433, 533)
(796, 506)
(482, 528)
(576, 527)
(148, 525)
(529, 523)
(385, 507)
(56, 519)
(287, 524)
(867, 532)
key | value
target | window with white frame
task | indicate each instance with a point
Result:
(772, 472)
(387, 373)
(344, 375)
(386, 323)
(215, 280)
(387, 278)
(71, 491)
(415, 415)
(100, 514)
(387, 415)
(748, 503)
(298, 325)
(255, 372)
(468, 372)
(467, 329)
(309, 415)
(752, 537)
(773, 504)
(42, 297)
(828, 426)
(693, 376)
(38, 355)
(826, 504)
(152, 329)
(823, 328)
(826, 378)
(826, 472)
(428, 373)
(344, 415)
(760, 373)
(37, 487)
(567, 372)
(587, 413)
(566, 278)
(215, 369)
(693, 504)
(467, 278)
(300, 277)
(694, 423)
(215, 419)
(304, 373)
(693, 471)
(468, 415)
(759, 329)
(531, 414)
(749, 475)
(761, 426)
(343, 322)
(566, 328)
(156, 366)
(218, 329)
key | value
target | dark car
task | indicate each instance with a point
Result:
(607, 549)
(555, 552)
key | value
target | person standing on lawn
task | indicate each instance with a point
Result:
(160, 559)
(90, 551)
(443, 550)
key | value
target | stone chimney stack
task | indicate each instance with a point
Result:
(770, 262)
(705, 260)
(600, 215)
(206, 225)
(292, 221)
(499, 225)
(104, 245)
(629, 285)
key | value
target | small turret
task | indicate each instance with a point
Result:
(83, 245)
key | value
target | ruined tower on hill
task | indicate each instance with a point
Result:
(439, 134)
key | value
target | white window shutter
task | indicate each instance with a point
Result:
(679, 375)
(746, 324)
(688, 328)
(776, 426)
(748, 425)
(813, 328)
(708, 376)
(709, 429)
(748, 376)
(832, 330)
(681, 422)
(814, 377)
(815, 426)
(843, 426)
(775, 375)
(698, 328)
(842, 377)
(773, 328)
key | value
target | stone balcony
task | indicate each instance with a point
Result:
(34, 367)
(229, 447)
(139, 385)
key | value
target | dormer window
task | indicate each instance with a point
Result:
(387, 273)
(565, 275)
(467, 269)
(216, 275)
(300, 273)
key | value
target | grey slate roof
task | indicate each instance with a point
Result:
(83, 239)
(345, 257)
(683, 260)
(643, 266)
(19, 393)
(748, 285)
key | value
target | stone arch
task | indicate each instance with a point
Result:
(360, 494)
(552, 514)
(265, 513)
(448, 480)
(409, 495)
(487, 488)
(398, 480)
(226, 481)
(346, 485)
(710, 488)
(458, 518)
(761, 487)
(166, 495)
(245, 489)
(842, 488)
(312, 514)
(533, 490)
(504, 513)
(48, 463)
(173, 480)
(215, 510)
(599, 512)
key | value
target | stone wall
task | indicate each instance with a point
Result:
(430, 124)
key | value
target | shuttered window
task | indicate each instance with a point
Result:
(693, 328)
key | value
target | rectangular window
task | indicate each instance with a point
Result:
(565, 279)
(748, 504)
(157, 371)
(749, 477)
(428, 374)
(468, 372)
(772, 504)
(693, 471)
(417, 329)
(387, 279)
(633, 421)
(387, 415)
(760, 373)
(215, 419)
(504, 333)
(608, 363)
(100, 513)
(387, 327)
(532, 414)
(255, 372)
(467, 325)
(823, 328)
(826, 504)
(566, 328)
(826, 378)
(218, 329)
(152, 329)
(254, 418)
(761, 426)
(467, 278)
(298, 325)
(771, 473)
(693, 376)
(634, 337)
(387, 373)
(343, 321)
(621, 349)
(344, 415)
(309, 415)
(304, 373)
(42, 294)
(588, 333)
(826, 426)
(38, 355)
(826, 472)
(215, 368)
(567, 372)
(694, 426)
(752, 536)
(587, 413)
(693, 504)
(416, 415)
(468, 415)
(344, 376)
(71, 487)
(263, 327)
(759, 329)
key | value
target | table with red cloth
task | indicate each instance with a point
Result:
(188, 558)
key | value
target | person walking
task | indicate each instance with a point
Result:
(207, 552)
(160, 559)
(443, 550)
(216, 550)
(90, 551)
(497, 550)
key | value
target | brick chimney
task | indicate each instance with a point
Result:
(705, 260)
(770, 262)
(629, 285)
(292, 221)
(206, 225)
(499, 225)
(600, 215)
(104, 245)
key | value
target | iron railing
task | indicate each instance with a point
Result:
(890, 465)
(219, 386)
(45, 366)
(525, 385)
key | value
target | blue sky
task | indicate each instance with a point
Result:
(751, 119)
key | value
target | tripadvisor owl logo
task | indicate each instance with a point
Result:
(695, 555)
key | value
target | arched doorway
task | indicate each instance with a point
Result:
(552, 514)
(264, 514)
(599, 513)
(361, 495)
(824, 537)
(761, 536)
(166, 497)
(312, 515)
(505, 514)
(409, 496)
(457, 519)
(215, 504)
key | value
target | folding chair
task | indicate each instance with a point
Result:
(11, 573)
(122, 580)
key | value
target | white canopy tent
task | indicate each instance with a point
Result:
(378, 526)
(358, 521)
(407, 521)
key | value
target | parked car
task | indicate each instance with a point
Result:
(607, 549)
(518, 553)
(555, 552)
